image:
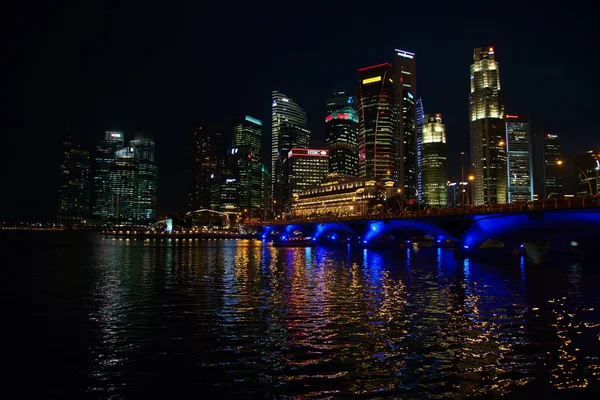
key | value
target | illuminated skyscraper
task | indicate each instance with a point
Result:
(74, 189)
(518, 159)
(377, 125)
(246, 145)
(405, 80)
(289, 130)
(433, 161)
(487, 129)
(147, 179)
(123, 187)
(104, 160)
(341, 125)
(302, 169)
(553, 166)
(420, 113)
(205, 148)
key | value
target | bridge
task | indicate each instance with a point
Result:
(569, 220)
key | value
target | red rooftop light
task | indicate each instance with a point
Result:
(375, 66)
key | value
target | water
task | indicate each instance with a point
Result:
(224, 318)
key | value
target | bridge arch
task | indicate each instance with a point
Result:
(404, 227)
(530, 226)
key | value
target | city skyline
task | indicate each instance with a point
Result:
(522, 93)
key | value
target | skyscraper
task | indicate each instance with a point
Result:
(487, 129)
(74, 189)
(302, 169)
(104, 160)
(433, 161)
(246, 149)
(147, 179)
(289, 130)
(123, 187)
(538, 165)
(377, 125)
(519, 165)
(341, 125)
(405, 80)
(420, 113)
(205, 148)
(553, 166)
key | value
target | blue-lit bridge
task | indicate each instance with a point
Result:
(569, 221)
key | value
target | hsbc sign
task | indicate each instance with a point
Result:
(317, 152)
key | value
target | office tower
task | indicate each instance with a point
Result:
(302, 169)
(205, 148)
(147, 179)
(405, 80)
(341, 125)
(487, 129)
(104, 160)
(420, 118)
(553, 166)
(225, 185)
(433, 161)
(377, 125)
(588, 167)
(289, 131)
(519, 165)
(122, 187)
(74, 189)
(246, 148)
(538, 165)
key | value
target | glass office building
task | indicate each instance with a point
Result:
(433, 161)
(103, 162)
(74, 186)
(341, 126)
(519, 165)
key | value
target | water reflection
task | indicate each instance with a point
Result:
(251, 320)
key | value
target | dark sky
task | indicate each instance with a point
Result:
(119, 65)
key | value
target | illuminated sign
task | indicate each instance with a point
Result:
(405, 54)
(511, 116)
(350, 99)
(253, 120)
(234, 151)
(371, 80)
(328, 118)
(317, 152)
(229, 180)
(410, 95)
(308, 152)
(115, 135)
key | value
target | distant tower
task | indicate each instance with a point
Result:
(123, 187)
(433, 161)
(519, 165)
(147, 179)
(289, 130)
(246, 149)
(487, 129)
(74, 189)
(104, 160)
(341, 125)
(205, 150)
(553, 165)
(377, 127)
(405, 80)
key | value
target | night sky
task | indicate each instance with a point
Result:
(161, 70)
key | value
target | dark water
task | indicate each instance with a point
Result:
(218, 319)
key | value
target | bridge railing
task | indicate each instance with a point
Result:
(550, 204)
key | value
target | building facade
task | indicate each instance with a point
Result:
(104, 160)
(246, 149)
(538, 165)
(458, 193)
(519, 164)
(553, 166)
(303, 168)
(433, 161)
(420, 113)
(123, 187)
(147, 179)
(341, 126)
(205, 148)
(74, 188)
(588, 167)
(377, 124)
(289, 130)
(487, 129)
(405, 80)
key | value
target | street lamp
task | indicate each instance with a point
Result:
(560, 162)
(471, 180)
